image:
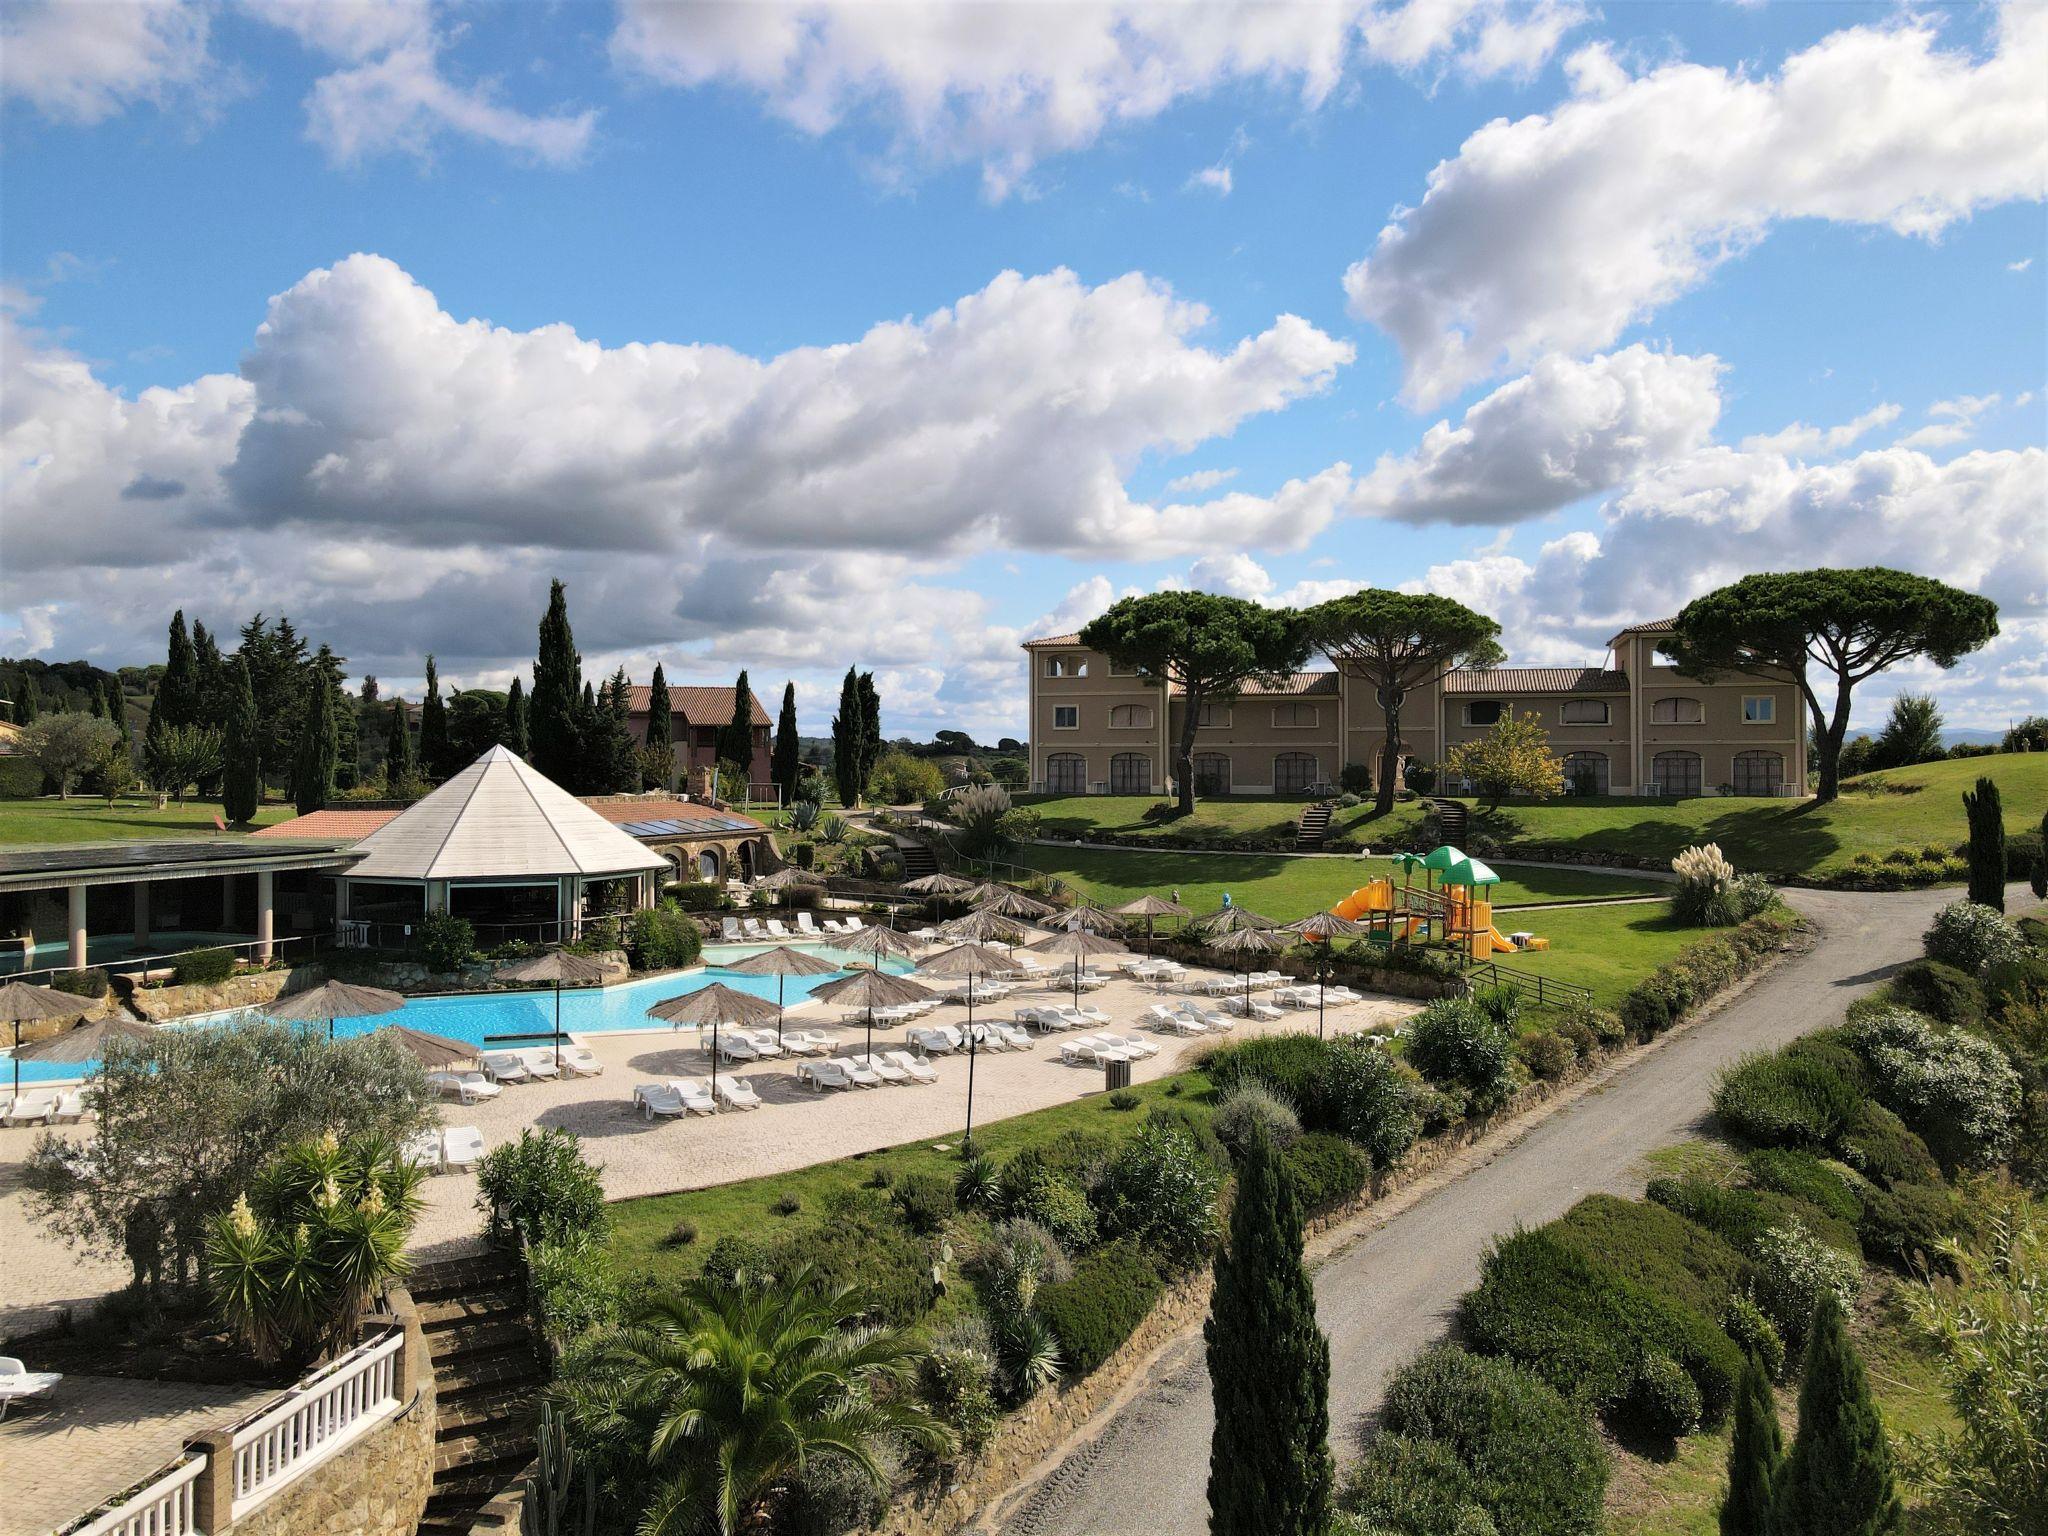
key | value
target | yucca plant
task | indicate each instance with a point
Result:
(320, 1234)
(803, 815)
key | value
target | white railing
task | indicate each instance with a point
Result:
(315, 1420)
(164, 1508)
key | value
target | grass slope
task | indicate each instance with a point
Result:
(89, 820)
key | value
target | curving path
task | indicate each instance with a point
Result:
(1387, 1296)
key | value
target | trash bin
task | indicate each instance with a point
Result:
(1116, 1074)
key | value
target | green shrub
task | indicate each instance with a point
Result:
(1755, 1334)
(1901, 1226)
(572, 1286)
(1582, 1327)
(785, 1204)
(1972, 937)
(1794, 1269)
(1656, 1248)
(1941, 991)
(1662, 1401)
(540, 1188)
(1603, 1024)
(1579, 1035)
(927, 1201)
(1372, 1099)
(956, 1380)
(86, 983)
(1881, 1146)
(1406, 1487)
(203, 968)
(1094, 1312)
(1537, 1465)
(1779, 1099)
(1653, 1005)
(859, 1240)
(662, 938)
(1029, 1187)
(681, 1235)
(2033, 932)
(2010, 984)
(1546, 1055)
(1160, 1191)
(1956, 1090)
(1456, 1044)
(1740, 1216)
(1249, 1105)
(1327, 1171)
(444, 941)
(699, 896)
(1293, 1066)
(1806, 1177)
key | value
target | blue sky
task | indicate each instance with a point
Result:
(1844, 219)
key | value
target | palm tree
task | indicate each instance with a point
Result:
(725, 1389)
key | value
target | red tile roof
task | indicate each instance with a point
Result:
(618, 809)
(1073, 639)
(698, 705)
(342, 824)
(1294, 685)
(1653, 627)
(1536, 680)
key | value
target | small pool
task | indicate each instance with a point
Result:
(109, 948)
(476, 1016)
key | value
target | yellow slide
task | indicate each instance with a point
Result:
(1501, 940)
(1373, 896)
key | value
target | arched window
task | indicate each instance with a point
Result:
(1586, 773)
(1676, 773)
(1758, 773)
(1130, 717)
(1212, 773)
(1066, 773)
(1293, 772)
(1678, 711)
(707, 864)
(1295, 717)
(1130, 773)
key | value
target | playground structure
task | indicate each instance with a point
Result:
(1447, 909)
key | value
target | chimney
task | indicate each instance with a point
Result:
(707, 785)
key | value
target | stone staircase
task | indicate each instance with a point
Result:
(917, 859)
(1454, 819)
(488, 1378)
(1313, 827)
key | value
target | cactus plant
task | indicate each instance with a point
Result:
(554, 1505)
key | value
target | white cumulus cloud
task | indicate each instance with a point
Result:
(83, 63)
(1556, 231)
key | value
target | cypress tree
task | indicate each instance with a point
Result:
(99, 702)
(623, 775)
(2038, 880)
(216, 684)
(1754, 1456)
(29, 705)
(1838, 1479)
(1987, 844)
(177, 696)
(552, 711)
(846, 742)
(870, 729)
(434, 748)
(592, 771)
(515, 718)
(241, 785)
(1269, 1366)
(348, 743)
(784, 763)
(400, 769)
(313, 773)
(660, 761)
(736, 741)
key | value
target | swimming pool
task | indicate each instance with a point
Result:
(475, 1017)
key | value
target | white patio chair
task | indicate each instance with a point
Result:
(858, 1075)
(736, 1093)
(461, 1147)
(424, 1151)
(824, 1074)
(916, 1071)
(17, 1381)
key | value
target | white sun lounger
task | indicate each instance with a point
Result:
(729, 929)
(424, 1151)
(1088, 1051)
(461, 1147)
(1012, 1037)
(17, 1381)
(917, 1071)
(936, 1040)
(695, 1094)
(468, 1086)
(70, 1105)
(34, 1108)
(736, 1093)
(882, 1067)
(505, 1067)
(804, 926)
(776, 929)
(732, 1045)
(1134, 1045)
(765, 1043)
(540, 1060)
(657, 1100)
(1205, 1016)
(819, 1042)
(842, 924)
(579, 1061)
(862, 1077)
(824, 1074)
(752, 929)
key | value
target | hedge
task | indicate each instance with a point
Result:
(1940, 991)
(1779, 1099)
(1739, 1217)
(1413, 1488)
(87, 983)
(1093, 1312)
(1327, 1171)
(1880, 1146)
(1657, 1248)
(203, 968)
(1697, 972)
(1537, 1464)
(1805, 1177)
(1293, 1066)
(1900, 1226)
(1583, 1328)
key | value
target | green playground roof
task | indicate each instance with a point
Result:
(1469, 871)
(1442, 858)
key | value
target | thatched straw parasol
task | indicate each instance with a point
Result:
(1230, 919)
(1248, 941)
(716, 1005)
(1087, 916)
(1151, 908)
(982, 928)
(557, 966)
(88, 1042)
(877, 943)
(781, 962)
(869, 990)
(1323, 929)
(332, 1000)
(430, 1051)
(1007, 901)
(1078, 944)
(973, 961)
(23, 1002)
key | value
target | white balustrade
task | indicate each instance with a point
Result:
(164, 1508)
(315, 1420)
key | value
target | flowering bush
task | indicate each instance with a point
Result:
(1794, 1269)
(1972, 937)
(1711, 894)
(1958, 1091)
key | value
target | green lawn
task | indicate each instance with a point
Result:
(746, 1208)
(84, 819)
(1280, 885)
(1903, 807)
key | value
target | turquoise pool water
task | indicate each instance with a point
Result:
(476, 1017)
(107, 948)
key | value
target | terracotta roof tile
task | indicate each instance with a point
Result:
(341, 824)
(1073, 639)
(700, 705)
(1536, 680)
(621, 809)
(1296, 685)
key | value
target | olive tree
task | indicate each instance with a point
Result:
(65, 746)
(1399, 642)
(1207, 645)
(1847, 624)
(188, 1120)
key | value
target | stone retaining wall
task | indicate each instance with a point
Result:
(160, 1003)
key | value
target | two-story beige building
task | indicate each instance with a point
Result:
(1631, 725)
